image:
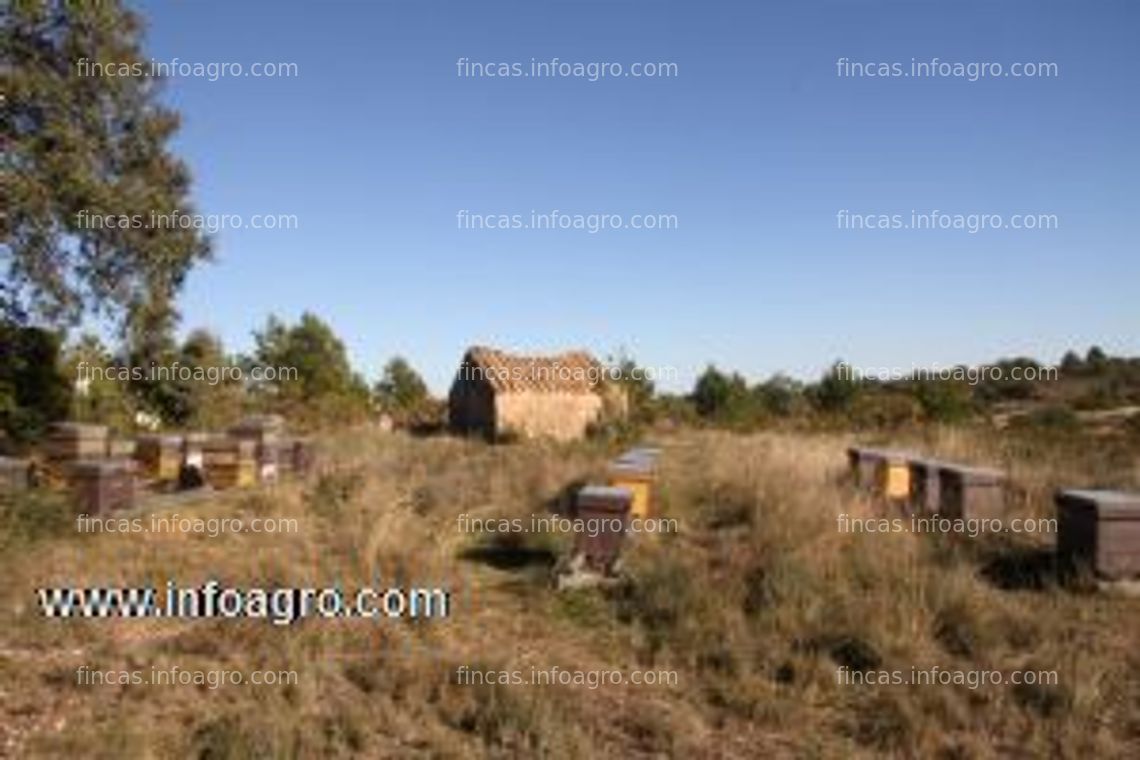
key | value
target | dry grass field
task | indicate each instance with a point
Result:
(755, 602)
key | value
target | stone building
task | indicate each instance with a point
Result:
(559, 396)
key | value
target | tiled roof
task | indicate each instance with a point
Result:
(570, 372)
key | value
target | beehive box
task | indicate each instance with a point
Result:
(637, 475)
(971, 492)
(304, 455)
(229, 462)
(102, 486)
(159, 456)
(864, 463)
(15, 474)
(1100, 530)
(925, 488)
(266, 433)
(892, 475)
(71, 441)
(120, 448)
(609, 508)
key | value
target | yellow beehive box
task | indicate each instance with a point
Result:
(637, 476)
(893, 476)
(232, 475)
(159, 456)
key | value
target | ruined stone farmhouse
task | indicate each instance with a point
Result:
(497, 394)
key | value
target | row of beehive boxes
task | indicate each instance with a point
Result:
(102, 470)
(1096, 529)
(629, 492)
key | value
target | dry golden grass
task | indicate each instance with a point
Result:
(755, 603)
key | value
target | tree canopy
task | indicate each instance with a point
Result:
(81, 147)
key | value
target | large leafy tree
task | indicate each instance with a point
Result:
(79, 147)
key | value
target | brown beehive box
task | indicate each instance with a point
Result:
(304, 454)
(609, 508)
(15, 474)
(73, 441)
(1100, 530)
(864, 464)
(102, 486)
(159, 456)
(971, 492)
(925, 488)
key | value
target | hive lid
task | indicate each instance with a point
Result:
(980, 475)
(268, 423)
(631, 467)
(607, 494)
(1108, 504)
(78, 430)
(159, 439)
(101, 466)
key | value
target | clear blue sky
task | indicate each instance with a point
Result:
(755, 146)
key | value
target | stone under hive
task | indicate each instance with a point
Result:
(1100, 531)
(102, 486)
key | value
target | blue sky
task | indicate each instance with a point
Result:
(754, 146)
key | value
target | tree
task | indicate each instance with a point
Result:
(718, 395)
(102, 385)
(779, 396)
(209, 392)
(401, 390)
(84, 153)
(313, 378)
(638, 387)
(33, 390)
(1096, 360)
(837, 390)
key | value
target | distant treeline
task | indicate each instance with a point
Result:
(302, 371)
(1019, 388)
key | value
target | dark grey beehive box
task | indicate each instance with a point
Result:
(610, 506)
(971, 492)
(864, 464)
(1100, 530)
(925, 486)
